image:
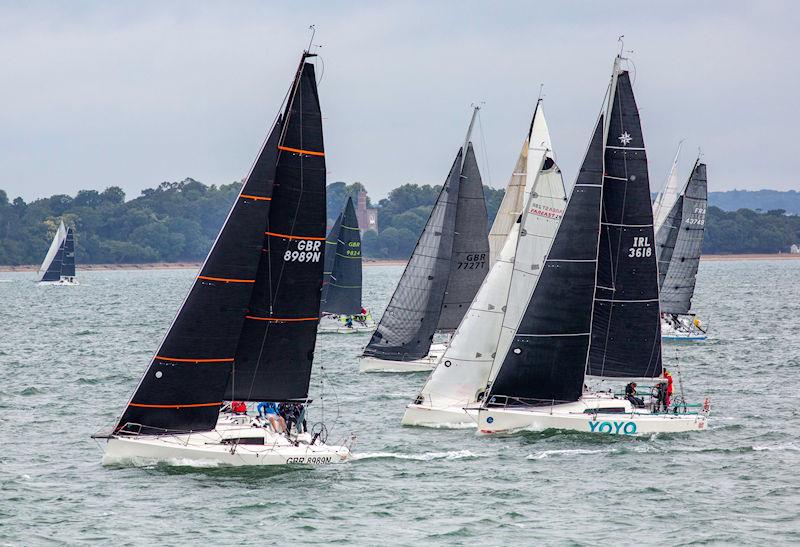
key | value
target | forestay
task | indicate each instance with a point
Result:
(679, 243)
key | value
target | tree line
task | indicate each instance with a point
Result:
(178, 221)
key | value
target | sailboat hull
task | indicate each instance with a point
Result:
(427, 363)
(685, 331)
(208, 448)
(335, 324)
(452, 417)
(609, 416)
(64, 281)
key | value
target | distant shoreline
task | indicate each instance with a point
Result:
(367, 262)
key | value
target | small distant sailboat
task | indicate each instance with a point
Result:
(442, 276)
(463, 372)
(679, 239)
(247, 329)
(594, 313)
(341, 309)
(58, 267)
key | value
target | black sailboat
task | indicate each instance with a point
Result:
(59, 263)
(341, 289)
(595, 309)
(679, 241)
(247, 328)
(444, 272)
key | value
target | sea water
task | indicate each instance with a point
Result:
(71, 356)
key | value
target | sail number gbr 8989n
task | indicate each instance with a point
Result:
(641, 248)
(307, 251)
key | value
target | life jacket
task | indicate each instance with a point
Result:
(239, 407)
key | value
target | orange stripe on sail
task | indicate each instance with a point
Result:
(176, 406)
(282, 319)
(194, 360)
(225, 279)
(301, 151)
(257, 198)
(287, 236)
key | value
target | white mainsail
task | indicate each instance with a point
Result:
(464, 369)
(667, 198)
(58, 240)
(536, 145)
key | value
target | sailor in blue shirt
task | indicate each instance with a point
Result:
(271, 411)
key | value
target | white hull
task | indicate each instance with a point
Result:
(63, 281)
(685, 330)
(452, 417)
(574, 417)
(334, 324)
(210, 448)
(373, 364)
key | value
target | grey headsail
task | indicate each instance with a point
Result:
(626, 328)
(407, 326)
(68, 258)
(679, 242)
(331, 243)
(469, 261)
(276, 346)
(547, 357)
(184, 386)
(342, 292)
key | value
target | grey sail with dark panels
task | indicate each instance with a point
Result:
(470, 256)
(626, 326)
(406, 329)
(679, 242)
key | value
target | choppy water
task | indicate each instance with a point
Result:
(70, 356)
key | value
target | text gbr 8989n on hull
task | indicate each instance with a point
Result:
(247, 329)
(594, 313)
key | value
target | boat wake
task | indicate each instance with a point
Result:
(425, 457)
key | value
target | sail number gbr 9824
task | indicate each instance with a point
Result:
(306, 251)
(641, 248)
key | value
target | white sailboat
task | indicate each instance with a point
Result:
(594, 313)
(58, 266)
(442, 276)
(464, 371)
(246, 331)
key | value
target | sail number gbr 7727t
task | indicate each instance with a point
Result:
(307, 251)
(641, 247)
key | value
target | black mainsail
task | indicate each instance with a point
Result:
(341, 291)
(331, 243)
(415, 311)
(626, 326)
(679, 241)
(68, 257)
(248, 324)
(595, 308)
(547, 358)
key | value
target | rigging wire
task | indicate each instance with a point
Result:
(483, 145)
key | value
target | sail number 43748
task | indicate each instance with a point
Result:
(641, 248)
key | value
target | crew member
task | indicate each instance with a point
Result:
(630, 395)
(238, 407)
(668, 391)
(271, 411)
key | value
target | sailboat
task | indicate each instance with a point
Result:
(442, 276)
(247, 329)
(463, 372)
(594, 313)
(341, 310)
(58, 267)
(679, 239)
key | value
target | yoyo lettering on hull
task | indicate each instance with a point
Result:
(615, 428)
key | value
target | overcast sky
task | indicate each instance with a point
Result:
(95, 94)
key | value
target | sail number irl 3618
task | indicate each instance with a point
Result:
(307, 251)
(641, 247)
